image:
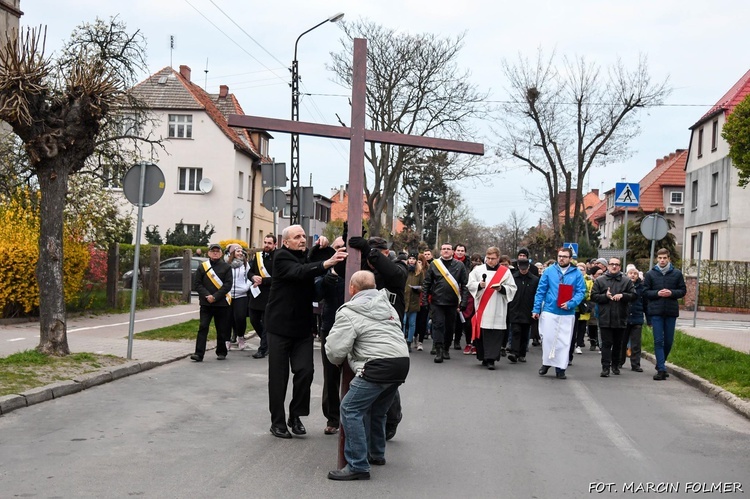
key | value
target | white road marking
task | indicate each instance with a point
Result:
(16, 339)
(75, 330)
(609, 425)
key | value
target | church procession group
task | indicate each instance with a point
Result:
(496, 304)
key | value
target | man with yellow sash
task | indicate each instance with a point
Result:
(492, 286)
(212, 282)
(445, 285)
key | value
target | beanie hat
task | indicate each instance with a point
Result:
(233, 247)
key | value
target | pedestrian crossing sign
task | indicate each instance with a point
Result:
(627, 194)
(573, 247)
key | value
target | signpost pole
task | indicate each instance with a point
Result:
(275, 208)
(698, 279)
(625, 243)
(136, 258)
(653, 246)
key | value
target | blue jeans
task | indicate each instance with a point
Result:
(363, 415)
(410, 324)
(663, 338)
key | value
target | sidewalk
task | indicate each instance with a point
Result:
(730, 330)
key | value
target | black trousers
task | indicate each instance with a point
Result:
(222, 319)
(257, 319)
(239, 317)
(633, 332)
(443, 324)
(611, 345)
(422, 317)
(331, 402)
(593, 331)
(581, 332)
(520, 338)
(283, 353)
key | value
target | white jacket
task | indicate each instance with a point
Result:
(240, 283)
(496, 314)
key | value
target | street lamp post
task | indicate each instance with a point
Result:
(421, 236)
(294, 215)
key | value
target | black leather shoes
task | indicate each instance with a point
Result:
(616, 371)
(259, 355)
(296, 425)
(196, 357)
(605, 372)
(346, 474)
(280, 432)
(543, 370)
(377, 461)
(637, 369)
(660, 375)
(561, 375)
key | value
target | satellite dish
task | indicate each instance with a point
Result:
(206, 185)
(239, 213)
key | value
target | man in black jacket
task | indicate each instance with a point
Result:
(663, 286)
(289, 318)
(261, 270)
(612, 292)
(520, 308)
(212, 282)
(445, 281)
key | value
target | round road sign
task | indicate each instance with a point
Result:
(654, 227)
(153, 183)
(274, 199)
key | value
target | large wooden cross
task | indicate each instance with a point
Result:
(357, 134)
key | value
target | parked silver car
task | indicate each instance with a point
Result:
(170, 273)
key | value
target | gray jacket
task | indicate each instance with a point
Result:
(368, 334)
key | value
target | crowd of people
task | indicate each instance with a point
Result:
(495, 304)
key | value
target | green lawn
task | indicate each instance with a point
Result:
(718, 364)
(184, 331)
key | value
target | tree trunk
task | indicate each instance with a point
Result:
(53, 181)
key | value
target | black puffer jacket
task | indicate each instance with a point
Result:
(637, 306)
(204, 286)
(440, 290)
(612, 313)
(654, 281)
(519, 309)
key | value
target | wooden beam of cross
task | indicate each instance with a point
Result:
(357, 134)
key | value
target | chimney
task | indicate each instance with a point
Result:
(223, 91)
(185, 71)
(659, 162)
(341, 194)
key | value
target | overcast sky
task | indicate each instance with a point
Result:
(699, 45)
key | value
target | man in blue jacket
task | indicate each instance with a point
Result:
(557, 320)
(663, 286)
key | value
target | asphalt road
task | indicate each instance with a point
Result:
(201, 430)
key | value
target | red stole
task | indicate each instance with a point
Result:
(476, 321)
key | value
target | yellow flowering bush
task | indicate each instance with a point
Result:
(19, 236)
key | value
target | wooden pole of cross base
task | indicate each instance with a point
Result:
(356, 190)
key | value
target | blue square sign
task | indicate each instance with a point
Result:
(627, 194)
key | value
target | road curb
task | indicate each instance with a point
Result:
(39, 394)
(729, 399)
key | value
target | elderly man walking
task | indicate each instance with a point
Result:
(367, 332)
(289, 319)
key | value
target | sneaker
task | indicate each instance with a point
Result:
(512, 358)
(251, 335)
(521, 359)
(241, 343)
(229, 345)
(196, 357)
(473, 350)
(578, 350)
(467, 350)
(419, 346)
(502, 352)
(221, 357)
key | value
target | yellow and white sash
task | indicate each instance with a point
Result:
(448, 276)
(215, 278)
(261, 266)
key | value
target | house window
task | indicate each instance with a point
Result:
(693, 246)
(240, 185)
(714, 135)
(714, 189)
(129, 125)
(285, 212)
(675, 197)
(264, 147)
(610, 201)
(190, 178)
(238, 233)
(187, 228)
(181, 126)
(322, 213)
(112, 177)
(700, 143)
(694, 195)
(713, 250)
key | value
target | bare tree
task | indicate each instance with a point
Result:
(60, 110)
(414, 86)
(563, 120)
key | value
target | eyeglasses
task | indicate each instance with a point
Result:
(615, 264)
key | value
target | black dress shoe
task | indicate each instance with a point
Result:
(561, 375)
(346, 474)
(605, 372)
(259, 355)
(390, 430)
(660, 375)
(221, 357)
(512, 358)
(196, 357)
(491, 365)
(296, 425)
(543, 370)
(637, 369)
(377, 461)
(280, 432)
(616, 371)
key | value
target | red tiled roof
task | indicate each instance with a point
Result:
(727, 103)
(177, 92)
(598, 212)
(669, 171)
